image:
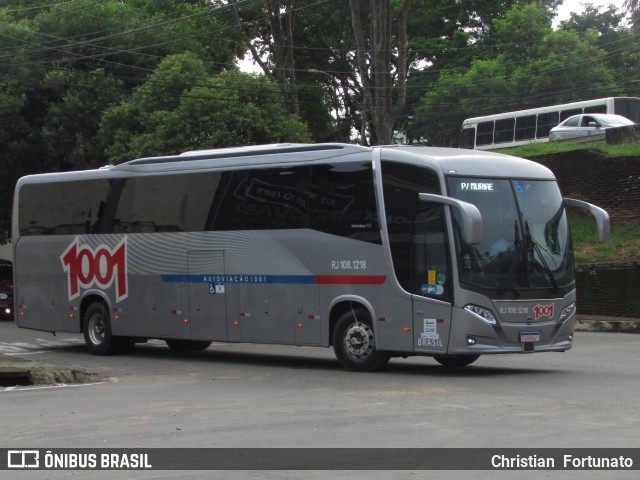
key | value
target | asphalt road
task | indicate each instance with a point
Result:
(272, 396)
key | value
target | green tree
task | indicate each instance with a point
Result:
(63, 62)
(447, 36)
(181, 107)
(610, 33)
(269, 29)
(533, 66)
(72, 118)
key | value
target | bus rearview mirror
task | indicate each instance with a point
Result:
(469, 215)
(601, 216)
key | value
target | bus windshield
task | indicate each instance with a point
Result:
(526, 244)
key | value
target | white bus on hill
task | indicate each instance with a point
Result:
(377, 252)
(522, 127)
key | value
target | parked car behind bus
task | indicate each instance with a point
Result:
(6, 289)
(587, 125)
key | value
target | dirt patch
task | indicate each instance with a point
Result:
(19, 372)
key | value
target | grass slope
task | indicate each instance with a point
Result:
(624, 245)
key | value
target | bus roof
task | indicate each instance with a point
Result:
(250, 151)
(449, 161)
(461, 162)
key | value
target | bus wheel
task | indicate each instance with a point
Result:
(456, 360)
(354, 343)
(97, 331)
(187, 345)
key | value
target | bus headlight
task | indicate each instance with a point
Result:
(482, 313)
(566, 312)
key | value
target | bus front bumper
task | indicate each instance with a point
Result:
(471, 335)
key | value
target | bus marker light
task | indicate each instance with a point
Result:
(382, 319)
(482, 313)
(185, 320)
(300, 325)
(236, 323)
(406, 329)
(567, 312)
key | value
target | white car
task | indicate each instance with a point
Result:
(587, 124)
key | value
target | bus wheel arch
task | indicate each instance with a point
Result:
(87, 301)
(353, 338)
(96, 327)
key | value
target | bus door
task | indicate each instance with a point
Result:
(207, 296)
(432, 282)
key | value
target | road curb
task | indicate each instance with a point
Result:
(590, 323)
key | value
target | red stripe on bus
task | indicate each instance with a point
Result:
(350, 279)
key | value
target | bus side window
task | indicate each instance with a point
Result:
(505, 130)
(485, 133)
(467, 138)
(569, 113)
(546, 121)
(276, 198)
(226, 204)
(65, 208)
(342, 201)
(596, 109)
(526, 127)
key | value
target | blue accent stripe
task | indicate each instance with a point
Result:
(240, 278)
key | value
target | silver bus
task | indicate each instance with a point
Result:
(522, 127)
(376, 252)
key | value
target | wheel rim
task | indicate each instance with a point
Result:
(96, 329)
(358, 340)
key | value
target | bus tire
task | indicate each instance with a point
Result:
(456, 360)
(354, 343)
(96, 327)
(178, 345)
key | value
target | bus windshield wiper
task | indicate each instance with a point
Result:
(520, 249)
(537, 249)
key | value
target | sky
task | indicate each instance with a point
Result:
(576, 6)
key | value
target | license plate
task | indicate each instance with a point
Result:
(529, 337)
